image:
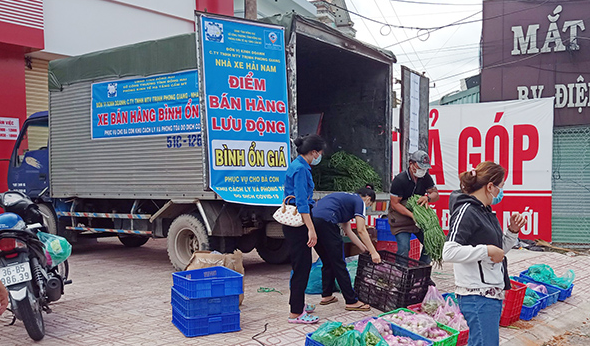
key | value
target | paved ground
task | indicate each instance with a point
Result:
(121, 296)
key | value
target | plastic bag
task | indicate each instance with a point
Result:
(372, 337)
(324, 333)
(537, 287)
(544, 273)
(432, 300)
(57, 247)
(314, 284)
(350, 338)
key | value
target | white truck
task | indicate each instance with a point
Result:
(188, 137)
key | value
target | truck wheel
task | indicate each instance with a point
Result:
(132, 240)
(273, 250)
(49, 219)
(186, 235)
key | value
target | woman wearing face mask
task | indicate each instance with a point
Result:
(299, 183)
(330, 211)
(413, 181)
(476, 245)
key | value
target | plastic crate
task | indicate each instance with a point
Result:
(563, 293)
(208, 282)
(198, 326)
(512, 304)
(396, 330)
(451, 340)
(552, 292)
(204, 306)
(391, 246)
(528, 312)
(311, 342)
(463, 334)
(396, 282)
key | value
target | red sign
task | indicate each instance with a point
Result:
(516, 134)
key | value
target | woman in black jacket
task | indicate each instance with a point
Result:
(476, 245)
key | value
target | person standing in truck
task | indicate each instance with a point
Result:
(338, 209)
(300, 240)
(413, 181)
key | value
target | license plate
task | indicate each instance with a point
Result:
(15, 274)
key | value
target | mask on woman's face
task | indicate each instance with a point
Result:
(317, 160)
(420, 172)
(497, 199)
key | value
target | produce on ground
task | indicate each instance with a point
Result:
(426, 219)
(418, 323)
(544, 273)
(443, 311)
(373, 332)
(345, 172)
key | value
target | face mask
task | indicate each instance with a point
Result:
(420, 173)
(317, 160)
(498, 198)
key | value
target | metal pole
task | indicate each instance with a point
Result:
(250, 9)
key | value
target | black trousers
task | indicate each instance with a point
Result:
(331, 251)
(300, 255)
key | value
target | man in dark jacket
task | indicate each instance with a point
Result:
(413, 181)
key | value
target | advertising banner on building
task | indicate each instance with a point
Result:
(245, 91)
(534, 49)
(516, 134)
(158, 105)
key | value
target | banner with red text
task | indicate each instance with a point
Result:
(516, 134)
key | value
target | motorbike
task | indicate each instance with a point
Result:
(25, 267)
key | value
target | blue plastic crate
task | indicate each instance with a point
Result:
(552, 292)
(384, 230)
(208, 282)
(563, 293)
(204, 306)
(198, 326)
(528, 312)
(397, 330)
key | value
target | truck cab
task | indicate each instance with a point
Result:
(28, 170)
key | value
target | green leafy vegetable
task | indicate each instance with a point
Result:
(426, 219)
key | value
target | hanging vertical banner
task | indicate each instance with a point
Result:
(518, 135)
(245, 90)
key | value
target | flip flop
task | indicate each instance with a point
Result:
(309, 308)
(304, 318)
(364, 307)
(328, 302)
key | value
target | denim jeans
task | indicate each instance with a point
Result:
(483, 318)
(403, 245)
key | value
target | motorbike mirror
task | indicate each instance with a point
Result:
(11, 198)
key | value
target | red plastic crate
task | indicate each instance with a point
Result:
(391, 246)
(512, 304)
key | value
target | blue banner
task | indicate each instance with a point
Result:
(245, 80)
(158, 105)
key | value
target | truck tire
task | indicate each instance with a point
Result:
(186, 235)
(132, 240)
(49, 219)
(273, 250)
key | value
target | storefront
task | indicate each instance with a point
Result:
(538, 50)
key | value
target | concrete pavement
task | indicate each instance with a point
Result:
(121, 296)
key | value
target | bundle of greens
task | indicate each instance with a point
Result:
(426, 219)
(345, 172)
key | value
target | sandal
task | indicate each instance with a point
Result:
(328, 302)
(309, 308)
(364, 307)
(304, 318)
